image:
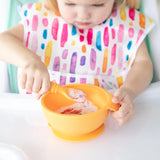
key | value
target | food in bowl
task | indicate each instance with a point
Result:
(77, 95)
(81, 105)
(78, 108)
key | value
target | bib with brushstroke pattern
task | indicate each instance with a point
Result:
(101, 55)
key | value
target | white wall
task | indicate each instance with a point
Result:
(4, 82)
(4, 6)
(151, 10)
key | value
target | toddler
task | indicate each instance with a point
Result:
(98, 42)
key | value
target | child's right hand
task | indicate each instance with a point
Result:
(35, 78)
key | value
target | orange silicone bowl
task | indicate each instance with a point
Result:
(78, 127)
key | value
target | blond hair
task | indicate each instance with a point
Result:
(53, 6)
(133, 3)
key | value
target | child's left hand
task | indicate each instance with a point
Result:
(127, 110)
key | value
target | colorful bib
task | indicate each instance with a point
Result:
(101, 55)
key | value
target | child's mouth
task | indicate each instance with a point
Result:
(83, 23)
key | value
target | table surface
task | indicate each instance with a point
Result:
(22, 123)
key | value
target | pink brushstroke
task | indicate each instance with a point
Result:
(120, 57)
(55, 26)
(34, 45)
(109, 72)
(35, 23)
(139, 35)
(83, 80)
(120, 33)
(131, 32)
(106, 37)
(64, 35)
(113, 33)
(132, 14)
(113, 54)
(98, 70)
(64, 66)
(30, 5)
(28, 35)
(45, 22)
(65, 54)
(81, 38)
(90, 36)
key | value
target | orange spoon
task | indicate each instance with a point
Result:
(56, 88)
(69, 93)
(65, 91)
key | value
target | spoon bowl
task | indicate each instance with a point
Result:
(67, 92)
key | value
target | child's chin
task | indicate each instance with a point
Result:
(84, 26)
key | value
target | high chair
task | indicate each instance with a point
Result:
(150, 8)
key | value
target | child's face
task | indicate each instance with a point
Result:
(85, 14)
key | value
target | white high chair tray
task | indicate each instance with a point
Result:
(22, 124)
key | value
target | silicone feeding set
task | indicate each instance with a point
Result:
(77, 119)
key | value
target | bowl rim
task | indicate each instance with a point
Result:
(75, 115)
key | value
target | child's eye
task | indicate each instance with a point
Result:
(69, 4)
(98, 5)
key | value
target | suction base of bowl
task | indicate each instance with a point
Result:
(80, 138)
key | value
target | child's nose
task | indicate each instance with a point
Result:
(83, 13)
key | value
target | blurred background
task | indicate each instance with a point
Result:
(4, 9)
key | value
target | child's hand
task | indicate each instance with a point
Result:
(127, 110)
(35, 78)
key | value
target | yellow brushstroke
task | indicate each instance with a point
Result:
(123, 13)
(38, 6)
(130, 23)
(45, 14)
(105, 60)
(73, 43)
(120, 81)
(48, 53)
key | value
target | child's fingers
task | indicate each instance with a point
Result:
(124, 115)
(118, 96)
(45, 86)
(29, 83)
(22, 81)
(37, 85)
(123, 120)
(123, 110)
(38, 96)
(126, 106)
